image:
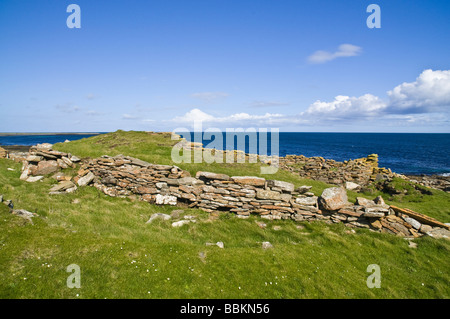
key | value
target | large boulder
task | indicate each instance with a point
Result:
(45, 168)
(333, 198)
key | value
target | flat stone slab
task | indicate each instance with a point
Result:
(267, 194)
(86, 179)
(249, 180)
(284, 186)
(158, 216)
(213, 176)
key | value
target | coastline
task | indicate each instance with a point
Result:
(16, 148)
(19, 142)
(49, 133)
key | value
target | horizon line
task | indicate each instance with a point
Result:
(224, 131)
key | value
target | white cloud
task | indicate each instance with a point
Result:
(429, 93)
(230, 120)
(194, 115)
(344, 107)
(344, 50)
(209, 96)
(424, 102)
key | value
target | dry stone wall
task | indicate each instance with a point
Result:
(361, 171)
(124, 176)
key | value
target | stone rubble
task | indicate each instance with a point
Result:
(124, 176)
(18, 212)
(43, 160)
(433, 181)
(359, 172)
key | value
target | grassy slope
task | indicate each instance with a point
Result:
(122, 257)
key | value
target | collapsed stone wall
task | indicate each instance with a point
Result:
(43, 160)
(124, 176)
(361, 171)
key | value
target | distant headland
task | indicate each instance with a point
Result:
(50, 133)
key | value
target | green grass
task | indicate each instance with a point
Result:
(121, 256)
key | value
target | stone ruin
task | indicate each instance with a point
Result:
(43, 160)
(124, 176)
(360, 171)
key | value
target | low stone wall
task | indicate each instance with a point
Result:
(125, 176)
(361, 171)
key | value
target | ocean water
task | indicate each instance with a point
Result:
(33, 139)
(414, 153)
(403, 153)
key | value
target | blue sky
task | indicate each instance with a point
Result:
(289, 64)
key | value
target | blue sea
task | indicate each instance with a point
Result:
(29, 140)
(405, 153)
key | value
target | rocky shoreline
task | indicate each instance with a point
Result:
(432, 181)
